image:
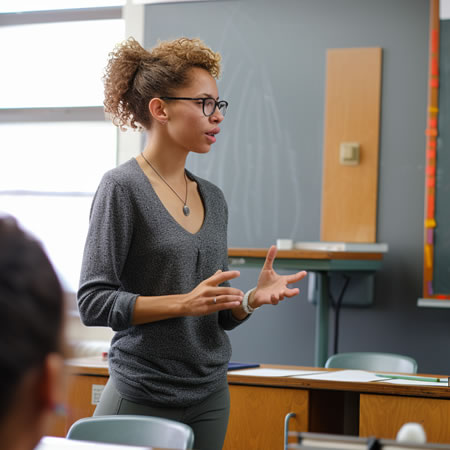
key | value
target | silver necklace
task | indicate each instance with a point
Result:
(186, 210)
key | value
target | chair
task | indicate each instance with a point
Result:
(133, 430)
(387, 362)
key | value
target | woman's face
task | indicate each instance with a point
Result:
(187, 126)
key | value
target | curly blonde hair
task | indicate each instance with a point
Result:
(134, 76)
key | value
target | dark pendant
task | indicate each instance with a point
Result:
(186, 210)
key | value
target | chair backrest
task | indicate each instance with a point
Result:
(133, 430)
(388, 362)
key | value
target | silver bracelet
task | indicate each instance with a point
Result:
(245, 306)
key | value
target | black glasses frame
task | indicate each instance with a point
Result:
(218, 104)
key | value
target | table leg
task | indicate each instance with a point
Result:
(322, 313)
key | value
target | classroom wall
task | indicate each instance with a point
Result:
(268, 158)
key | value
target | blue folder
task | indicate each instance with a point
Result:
(238, 365)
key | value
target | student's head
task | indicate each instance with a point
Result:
(31, 302)
(135, 76)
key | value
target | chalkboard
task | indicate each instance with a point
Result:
(441, 280)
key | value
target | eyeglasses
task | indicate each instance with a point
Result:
(209, 104)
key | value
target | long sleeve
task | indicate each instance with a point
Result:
(101, 298)
(226, 319)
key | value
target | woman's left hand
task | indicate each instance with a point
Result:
(271, 287)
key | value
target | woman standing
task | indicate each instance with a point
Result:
(155, 263)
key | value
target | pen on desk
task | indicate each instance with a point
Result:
(413, 377)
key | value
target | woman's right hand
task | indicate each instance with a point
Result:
(209, 297)
(198, 302)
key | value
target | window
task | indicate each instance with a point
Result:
(55, 143)
(8, 6)
(56, 64)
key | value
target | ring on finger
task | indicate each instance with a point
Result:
(215, 300)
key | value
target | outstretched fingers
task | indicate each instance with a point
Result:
(220, 277)
(296, 276)
(223, 297)
(270, 257)
(291, 292)
(286, 293)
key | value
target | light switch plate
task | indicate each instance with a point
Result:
(349, 153)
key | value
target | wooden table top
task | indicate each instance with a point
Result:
(88, 365)
(302, 254)
(375, 387)
(96, 366)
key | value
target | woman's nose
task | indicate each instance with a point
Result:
(217, 116)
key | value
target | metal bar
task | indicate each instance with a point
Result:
(63, 15)
(322, 313)
(62, 114)
(23, 193)
(286, 428)
(310, 264)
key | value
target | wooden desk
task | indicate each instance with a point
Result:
(320, 262)
(259, 406)
(85, 378)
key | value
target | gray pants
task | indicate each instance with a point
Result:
(208, 419)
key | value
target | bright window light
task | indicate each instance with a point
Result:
(444, 9)
(60, 223)
(56, 64)
(7, 6)
(48, 174)
(56, 156)
(49, 171)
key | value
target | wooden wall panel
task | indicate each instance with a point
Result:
(352, 114)
(257, 416)
(383, 415)
(79, 402)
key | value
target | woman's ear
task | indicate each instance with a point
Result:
(158, 110)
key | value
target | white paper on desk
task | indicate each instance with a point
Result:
(343, 375)
(54, 443)
(416, 382)
(261, 372)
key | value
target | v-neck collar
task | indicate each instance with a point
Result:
(166, 211)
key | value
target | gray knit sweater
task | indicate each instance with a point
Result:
(135, 247)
